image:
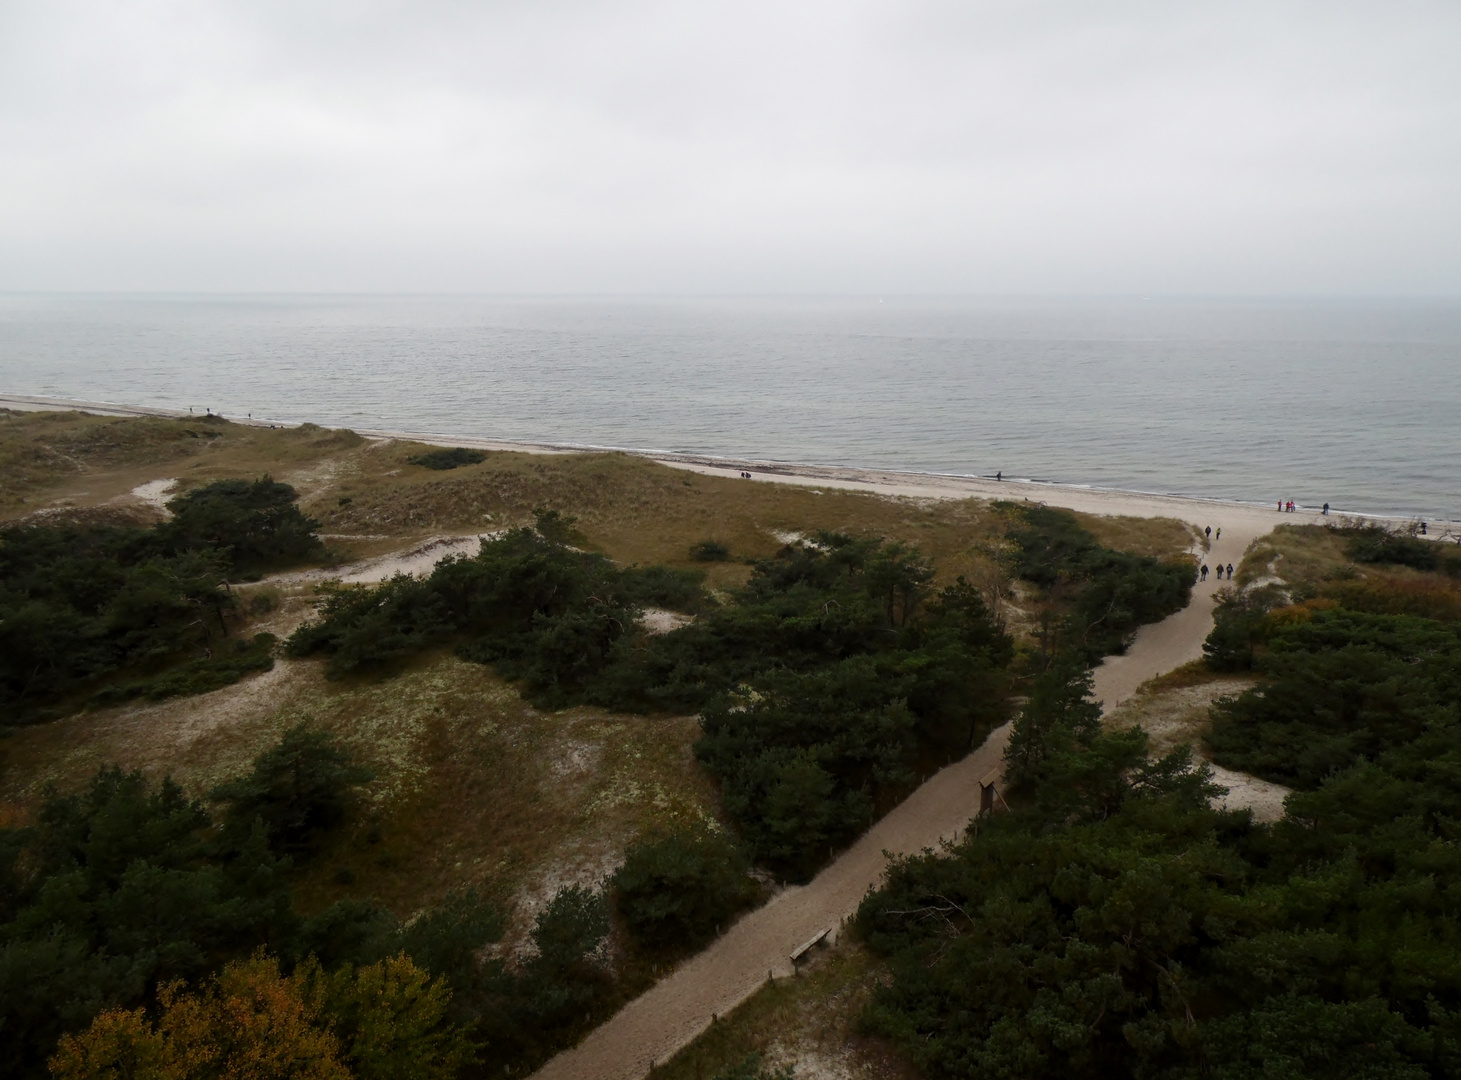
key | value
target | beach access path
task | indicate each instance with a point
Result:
(656, 1025)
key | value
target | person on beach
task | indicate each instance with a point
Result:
(1219, 534)
(1204, 571)
(1326, 510)
(1208, 530)
(1230, 571)
(999, 475)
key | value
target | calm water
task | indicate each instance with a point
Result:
(1357, 404)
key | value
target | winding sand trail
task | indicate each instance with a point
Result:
(667, 1017)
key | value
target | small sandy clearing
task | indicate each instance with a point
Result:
(416, 561)
(1173, 717)
(661, 621)
(155, 493)
(1246, 792)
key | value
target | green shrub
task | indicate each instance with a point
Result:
(254, 524)
(231, 664)
(1339, 687)
(82, 605)
(451, 458)
(299, 789)
(709, 551)
(1376, 544)
(674, 891)
(1106, 595)
(1240, 626)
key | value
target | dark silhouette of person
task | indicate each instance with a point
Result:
(1326, 509)
(1208, 530)
(1422, 528)
(1204, 571)
(999, 475)
(1230, 571)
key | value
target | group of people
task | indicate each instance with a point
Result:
(1290, 506)
(745, 476)
(1220, 571)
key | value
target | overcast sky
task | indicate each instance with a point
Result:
(641, 146)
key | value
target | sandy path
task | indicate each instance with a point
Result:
(652, 1027)
(1177, 639)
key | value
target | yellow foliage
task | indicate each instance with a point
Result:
(251, 1023)
(118, 1046)
(1295, 614)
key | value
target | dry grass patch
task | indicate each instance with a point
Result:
(75, 459)
(638, 511)
(1160, 538)
(1173, 708)
(1303, 556)
(810, 1022)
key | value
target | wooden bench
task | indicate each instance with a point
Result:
(803, 949)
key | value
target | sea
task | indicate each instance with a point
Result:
(1352, 402)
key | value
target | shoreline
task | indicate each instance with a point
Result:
(1084, 498)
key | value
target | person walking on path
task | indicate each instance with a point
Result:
(1204, 571)
(1230, 571)
(1219, 534)
(1208, 530)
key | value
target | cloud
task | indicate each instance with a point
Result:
(641, 146)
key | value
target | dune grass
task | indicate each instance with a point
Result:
(74, 459)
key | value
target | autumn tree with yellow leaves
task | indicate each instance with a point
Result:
(386, 1021)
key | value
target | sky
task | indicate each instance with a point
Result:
(636, 146)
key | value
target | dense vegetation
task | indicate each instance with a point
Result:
(451, 458)
(119, 897)
(1100, 597)
(147, 609)
(1116, 925)
(675, 891)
